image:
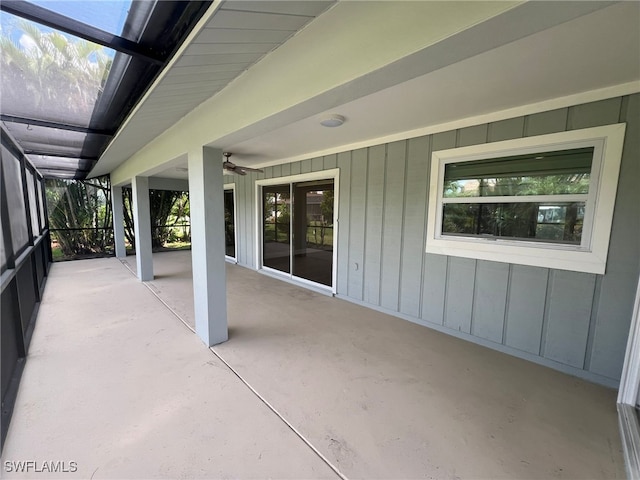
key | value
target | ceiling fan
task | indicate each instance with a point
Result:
(233, 168)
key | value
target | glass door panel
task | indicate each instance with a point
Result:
(229, 224)
(313, 231)
(276, 230)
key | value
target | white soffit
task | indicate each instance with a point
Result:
(592, 52)
(237, 35)
(535, 51)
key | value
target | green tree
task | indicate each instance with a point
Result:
(80, 215)
(163, 206)
(48, 70)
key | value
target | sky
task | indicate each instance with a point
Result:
(107, 15)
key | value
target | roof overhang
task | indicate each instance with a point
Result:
(390, 68)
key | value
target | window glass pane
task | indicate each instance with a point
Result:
(33, 207)
(276, 235)
(547, 173)
(548, 222)
(229, 224)
(313, 232)
(73, 70)
(15, 200)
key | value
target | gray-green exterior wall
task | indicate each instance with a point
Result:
(574, 322)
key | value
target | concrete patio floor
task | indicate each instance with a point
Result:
(308, 386)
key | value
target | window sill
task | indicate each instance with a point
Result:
(546, 256)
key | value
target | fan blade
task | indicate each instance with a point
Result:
(239, 169)
(252, 169)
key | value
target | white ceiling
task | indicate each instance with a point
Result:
(589, 48)
(591, 52)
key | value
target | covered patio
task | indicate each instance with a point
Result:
(308, 386)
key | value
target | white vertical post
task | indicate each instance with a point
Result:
(117, 207)
(629, 391)
(142, 226)
(206, 201)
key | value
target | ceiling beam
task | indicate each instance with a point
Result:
(61, 126)
(54, 20)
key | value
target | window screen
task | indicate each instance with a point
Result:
(33, 206)
(43, 212)
(15, 200)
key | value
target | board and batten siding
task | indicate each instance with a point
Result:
(571, 321)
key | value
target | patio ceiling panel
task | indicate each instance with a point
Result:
(207, 69)
(309, 8)
(62, 167)
(230, 48)
(237, 35)
(229, 17)
(56, 142)
(218, 59)
(176, 79)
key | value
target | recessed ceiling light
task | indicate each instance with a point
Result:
(332, 121)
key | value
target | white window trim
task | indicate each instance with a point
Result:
(334, 174)
(591, 255)
(232, 186)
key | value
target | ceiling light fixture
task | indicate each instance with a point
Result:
(332, 121)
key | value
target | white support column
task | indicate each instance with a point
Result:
(142, 227)
(206, 201)
(117, 208)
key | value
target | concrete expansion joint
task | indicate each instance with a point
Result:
(156, 294)
(281, 417)
(245, 382)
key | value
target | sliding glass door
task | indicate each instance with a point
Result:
(276, 228)
(229, 222)
(298, 230)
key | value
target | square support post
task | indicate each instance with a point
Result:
(142, 226)
(117, 207)
(206, 197)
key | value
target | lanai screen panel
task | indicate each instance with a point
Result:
(49, 75)
(71, 71)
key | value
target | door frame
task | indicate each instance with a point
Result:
(628, 394)
(334, 174)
